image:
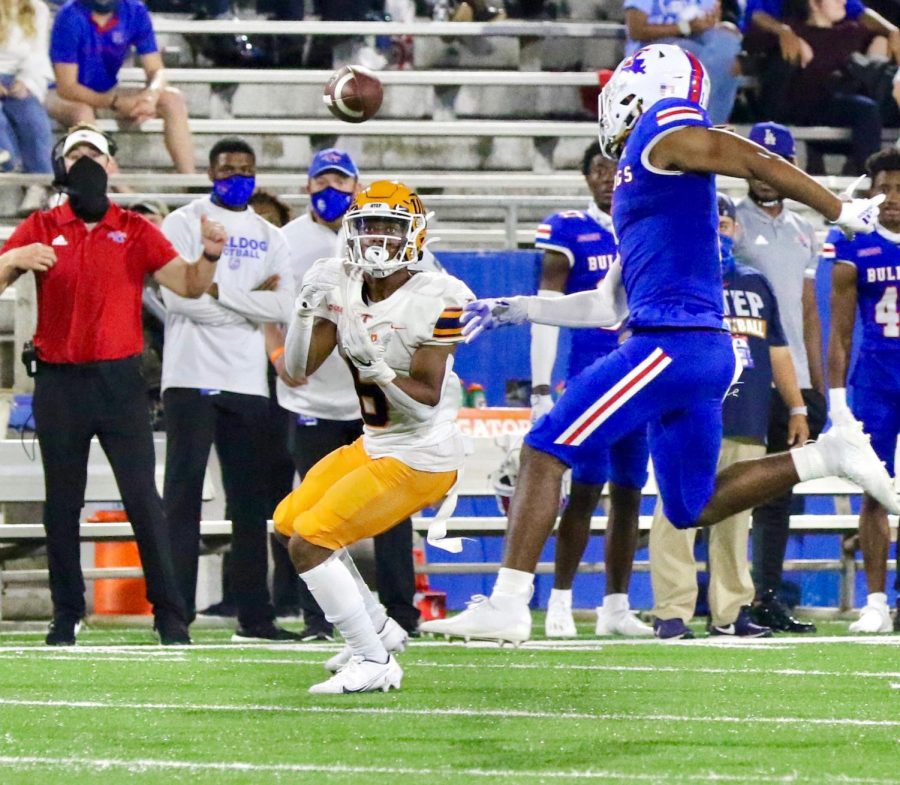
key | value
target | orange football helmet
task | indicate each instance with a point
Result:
(385, 228)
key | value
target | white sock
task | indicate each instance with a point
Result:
(375, 609)
(338, 596)
(810, 462)
(563, 596)
(616, 603)
(513, 584)
(877, 598)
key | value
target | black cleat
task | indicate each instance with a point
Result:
(311, 634)
(62, 631)
(264, 632)
(768, 611)
(171, 630)
(220, 609)
(897, 618)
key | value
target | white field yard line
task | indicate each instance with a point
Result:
(139, 765)
(185, 656)
(443, 712)
(593, 644)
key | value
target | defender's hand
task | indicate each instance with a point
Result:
(858, 215)
(482, 315)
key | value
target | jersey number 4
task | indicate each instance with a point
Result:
(886, 313)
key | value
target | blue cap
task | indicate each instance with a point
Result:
(332, 160)
(774, 137)
(726, 205)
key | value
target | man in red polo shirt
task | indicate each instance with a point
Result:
(89, 258)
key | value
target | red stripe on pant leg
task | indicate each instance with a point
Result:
(662, 358)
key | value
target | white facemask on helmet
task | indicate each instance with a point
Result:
(504, 479)
(648, 75)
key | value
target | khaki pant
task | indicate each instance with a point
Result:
(673, 571)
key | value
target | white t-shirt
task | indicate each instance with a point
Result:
(425, 311)
(218, 344)
(28, 59)
(328, 393)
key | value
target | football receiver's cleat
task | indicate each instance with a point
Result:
(484, 621)
(848, 453)
(559, 622)
(621, 623)
(393, 637)
(875, 617)
(360, 675)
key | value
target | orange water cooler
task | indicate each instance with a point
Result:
(118, 596)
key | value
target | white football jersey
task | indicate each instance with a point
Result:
(425, 311)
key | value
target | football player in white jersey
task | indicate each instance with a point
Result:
(397, 329)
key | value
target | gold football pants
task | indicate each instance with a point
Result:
(348, 496)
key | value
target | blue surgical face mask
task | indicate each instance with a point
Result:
(726, 250)
(330, 203)
(234, 191)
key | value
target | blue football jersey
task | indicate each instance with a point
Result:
(876, 258)
(591, 249)
(668, 229)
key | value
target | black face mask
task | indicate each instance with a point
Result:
(101, 6)
(86, 184)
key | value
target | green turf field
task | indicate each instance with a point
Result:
(117, 709)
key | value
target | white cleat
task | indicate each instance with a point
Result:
(393, 637)
(875, 617)
(360, 675)
(621, 623)
(484, 621)
(849, 454)
(559, 622)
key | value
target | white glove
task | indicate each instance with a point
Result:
(365, 354)
(482, 315)
(540, 405)
(319, 280)
(858, 215)
(838, 411)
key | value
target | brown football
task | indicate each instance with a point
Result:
(353, 94)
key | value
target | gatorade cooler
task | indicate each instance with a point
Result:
(118, 596)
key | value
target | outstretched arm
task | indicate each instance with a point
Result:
(700, 149)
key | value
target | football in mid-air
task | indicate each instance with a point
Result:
(353, 94)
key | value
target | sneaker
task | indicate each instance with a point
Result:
(310, 634)
(62, 631)
(483, 620)
(171, 630)
(224, 610)
(672, 630)
(742, 627)
(361, 675)
(768, 611)
(34, 199)
(621, 623)
(393, 637)
(848, 453)
(559, 622)
(874, 617)
(264, 632)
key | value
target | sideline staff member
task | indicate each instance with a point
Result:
(89, 258)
